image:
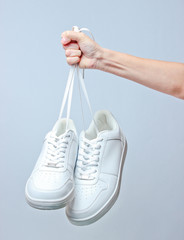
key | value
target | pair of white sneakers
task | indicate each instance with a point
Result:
(86, 181)
(84, 175)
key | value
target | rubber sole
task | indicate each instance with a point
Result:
(53, 204)
(112, 200)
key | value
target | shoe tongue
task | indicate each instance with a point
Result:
(57, 135)
(82, 135)
(59, 128)
(104, 132)
(100, 134)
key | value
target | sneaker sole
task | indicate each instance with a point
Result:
(53, 204)
(112, 200)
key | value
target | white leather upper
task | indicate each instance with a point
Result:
(48, 182)
(93, 195)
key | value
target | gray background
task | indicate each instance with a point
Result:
(33, 74)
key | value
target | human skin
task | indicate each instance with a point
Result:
(166, 77)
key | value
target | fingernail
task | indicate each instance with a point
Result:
(65, 40)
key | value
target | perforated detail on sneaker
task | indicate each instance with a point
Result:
(89, 192)
(48, 180)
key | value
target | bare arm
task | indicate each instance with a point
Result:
(167, 77)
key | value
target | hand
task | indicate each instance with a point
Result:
(79, 48)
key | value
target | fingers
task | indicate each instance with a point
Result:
(74, 44)
(69, 36)
(72, 56)
(71, 45)
(73, 60)
(72, 53)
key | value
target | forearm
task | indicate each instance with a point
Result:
(167, 77)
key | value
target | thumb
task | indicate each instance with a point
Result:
(69, 36)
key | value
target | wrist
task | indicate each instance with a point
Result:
(113, 62)
(102, 61)
(100, 57)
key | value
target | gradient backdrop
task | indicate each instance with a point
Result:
(33, 74)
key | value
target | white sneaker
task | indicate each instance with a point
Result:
(98, 170)
(51, 184)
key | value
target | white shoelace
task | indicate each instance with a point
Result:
(88, 159)
(68, 94)
(88, 156)
(57, 146)
(69, 87)
(55, 156)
